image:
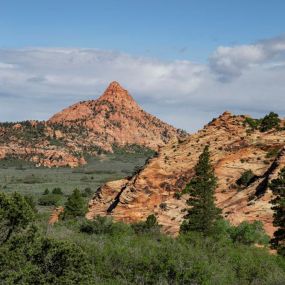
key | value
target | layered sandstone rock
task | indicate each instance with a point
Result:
(233, 150)
(114, 119)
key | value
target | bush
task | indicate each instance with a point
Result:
(32, 259)
(249, 233)
(269, 122)
(272, 152)
(86, 192)
(246, 178)
(49, 200)
(149, 226)
(100, 225)
(75, 205)
(30, 200)
(46, 192)
(163, 206)
(15, 215)
(57, 191)
(252, 123)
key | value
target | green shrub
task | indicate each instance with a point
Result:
(87, 192)
(249, 233)
(100, 225)
(252, 123)
(57, 191)
(30, 200)
(15, 214)
(46, 192)
(49, 200)
(75, 205)
(272, 152)
(269, 122)
(149, 226)
(245, 178)
(32, 259)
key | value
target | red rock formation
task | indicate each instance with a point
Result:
(86, 127)
(233, 149)
(115, 118)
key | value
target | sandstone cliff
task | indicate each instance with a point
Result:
(234, 149)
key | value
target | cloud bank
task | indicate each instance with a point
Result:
(37, 82)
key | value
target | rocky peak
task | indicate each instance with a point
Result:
(115, 118)
(117, 95)
(115, 86)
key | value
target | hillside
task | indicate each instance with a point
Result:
(86, 128)
(234, 147)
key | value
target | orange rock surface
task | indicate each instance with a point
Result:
(115, 118)
(234, 149)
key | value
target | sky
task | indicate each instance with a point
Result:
(183, 61)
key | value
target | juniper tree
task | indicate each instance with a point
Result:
(15, 215)
(203, 213)
(278, 188)
(75, 205)
(269, 122)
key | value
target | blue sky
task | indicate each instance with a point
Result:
(168, 29)
(184, 61)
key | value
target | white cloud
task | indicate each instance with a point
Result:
(37, 82)
(230, 62)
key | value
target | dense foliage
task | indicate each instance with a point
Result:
(203, 214)
(76, 251)
(15, 214)
(278, 188)
(268, 122)
(75, 205)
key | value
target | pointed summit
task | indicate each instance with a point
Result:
(115, 119)
(115, 93)
(115, 86)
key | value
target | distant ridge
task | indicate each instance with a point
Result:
(92, 127)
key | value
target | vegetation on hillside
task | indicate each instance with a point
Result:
(278, 188)
(203, 214)
(76, 251)
(268, 122)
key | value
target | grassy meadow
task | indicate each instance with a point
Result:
(25, 178)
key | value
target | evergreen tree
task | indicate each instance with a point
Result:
(203, 214)
(75, 205)
(278, 188)
(15, 215)
(269, 122)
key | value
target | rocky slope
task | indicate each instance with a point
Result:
(116, 119)
(234, 149)
(89, 127)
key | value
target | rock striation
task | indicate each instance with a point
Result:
(156, 188)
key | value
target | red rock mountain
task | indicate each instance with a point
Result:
(114, 119)
(234, 149)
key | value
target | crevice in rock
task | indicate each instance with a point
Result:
(263, 185)
(116, 200)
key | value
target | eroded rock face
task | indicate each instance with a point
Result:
(233, 150)
(114, 119)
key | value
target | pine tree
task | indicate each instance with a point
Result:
(203, 214)
(75, 205)
(278, 188)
